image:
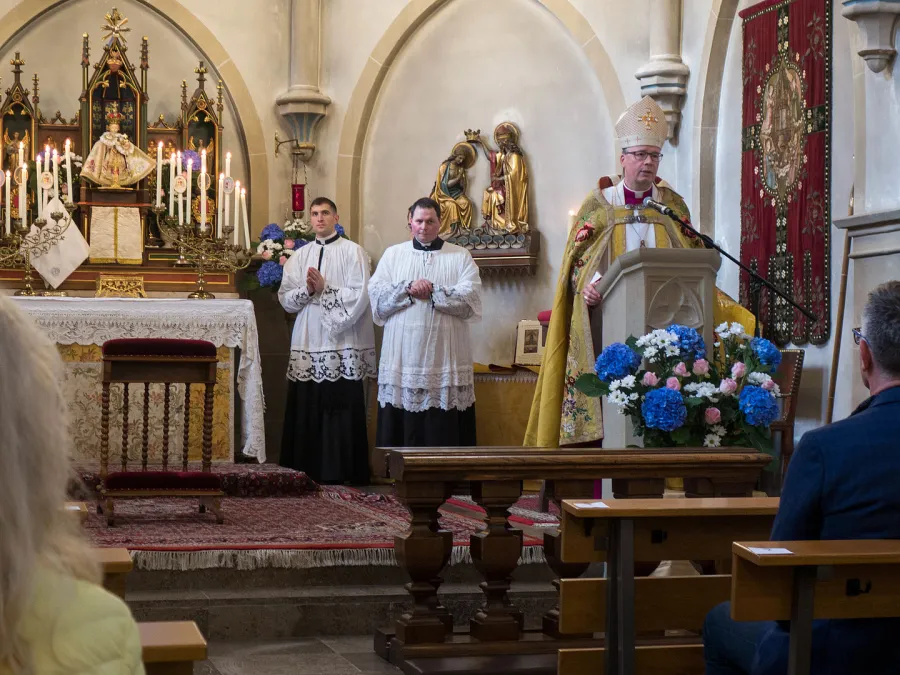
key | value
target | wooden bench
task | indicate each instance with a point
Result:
(171, 647)
(78, 509)
(622, 532)
(855, 579)
(116, 564)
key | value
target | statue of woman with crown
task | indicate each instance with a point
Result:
(115, 161)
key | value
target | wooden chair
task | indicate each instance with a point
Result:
(787, 377)
(146, 361)
(171, 647)
(799, 581)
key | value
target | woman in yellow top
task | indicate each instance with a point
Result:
(55, 618)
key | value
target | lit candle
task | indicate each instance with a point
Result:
(22, 189)
(190, 170)
(55, 174)
(69, 171)
(180, 196)
(220, 199)
(246, 220)
(21, 153)
(202, 189)
(46, 158)
(8, 203)
(158, 172)
(172, 185)
(227, 165)
(38, 191)
(237, 204)
(571, 220)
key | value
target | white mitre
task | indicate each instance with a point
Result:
(643, 123)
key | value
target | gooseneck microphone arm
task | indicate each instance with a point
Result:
(755, 279)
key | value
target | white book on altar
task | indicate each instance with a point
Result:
(66, 255)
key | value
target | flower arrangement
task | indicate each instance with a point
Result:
(682, 399)
(276, 245)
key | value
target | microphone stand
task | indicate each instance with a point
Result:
(756, 281)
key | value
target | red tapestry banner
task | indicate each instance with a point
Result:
(786, 164)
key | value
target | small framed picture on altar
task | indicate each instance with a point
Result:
(529, 343)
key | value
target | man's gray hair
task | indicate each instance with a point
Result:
(881, 327)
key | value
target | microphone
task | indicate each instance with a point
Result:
(662, 208)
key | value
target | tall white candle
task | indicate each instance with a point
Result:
(23, 188)
(21, 153)
(38, 191)
(8, 203)
(55, 174)
(190, 168)
(226, 213)
(227, 165)
(246, 220)
(237, 205)
(172, 185)
(220, 199)
(69, 171)
(202, 189)
(158, 199)
(46, 158)
(571, 219)
(180, 197)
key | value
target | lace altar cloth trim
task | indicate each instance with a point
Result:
(349, 363)
(225, 323)
(419, 400)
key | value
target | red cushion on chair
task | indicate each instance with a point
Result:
(544, 317)
(163, 480)
(159, 347)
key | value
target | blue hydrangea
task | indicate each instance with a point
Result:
(271, 231)
(616, 361)
(270, 273)
(758, 405)
(191, 154)
(767, 353)
(663, 409)
(339, 229)
(690, 342)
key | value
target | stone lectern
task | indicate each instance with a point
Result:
(652, 288)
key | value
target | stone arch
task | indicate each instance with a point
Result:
(362, 102)
(249, 126)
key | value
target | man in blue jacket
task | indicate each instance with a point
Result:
(843, 483)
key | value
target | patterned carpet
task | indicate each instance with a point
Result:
(333, 527)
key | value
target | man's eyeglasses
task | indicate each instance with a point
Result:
(858, 336)
(642, 155)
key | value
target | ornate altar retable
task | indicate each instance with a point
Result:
(80, 325)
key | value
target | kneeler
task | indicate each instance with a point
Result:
(145, 361)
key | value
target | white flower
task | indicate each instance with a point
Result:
(619, 399)
(711, 441)
(705, 390)
(672, 350)
(722, 329)
(761, 380)
(626, 382)
(650, 354)
(718, 430)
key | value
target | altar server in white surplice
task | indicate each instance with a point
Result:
(425, 292)
(332, 352)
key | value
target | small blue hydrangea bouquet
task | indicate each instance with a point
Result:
(681, 399)
(276, 245)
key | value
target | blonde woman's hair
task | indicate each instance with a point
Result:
(35, 469)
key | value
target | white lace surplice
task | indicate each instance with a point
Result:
(426, 357)
(333, 336)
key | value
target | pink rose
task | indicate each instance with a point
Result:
(650, 379)
(728, 386)
(769, 385)
(712, 416)
(289, 243)
(738, 370)
(267, 255)
(681, 370)
(673, 383)
(282, 260)
(701, 367)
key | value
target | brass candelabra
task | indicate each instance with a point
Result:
(21, 245)
(197, 247)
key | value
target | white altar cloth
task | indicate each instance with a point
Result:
(225, 323)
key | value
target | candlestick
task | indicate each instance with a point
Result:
(220, 199)
(246, 220)
(237, 204)
(172, 185)
(8, 203)
(159, 174)
(190, 167)
(202, 189)
(56, 174)
(23, 188)
(38, 191)
(69, 171)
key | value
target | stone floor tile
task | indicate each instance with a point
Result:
(371, 664)
(241, 650)
(205, 668)
(286, 664)
(351, 644)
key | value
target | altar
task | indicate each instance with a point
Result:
(79, 326)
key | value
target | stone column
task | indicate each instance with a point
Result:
(303, 105)
(664, 76)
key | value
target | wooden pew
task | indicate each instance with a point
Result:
(426, 477)
(116, 563)
(622, 532)
(854, 579)
(171, 647)
(78, 509)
